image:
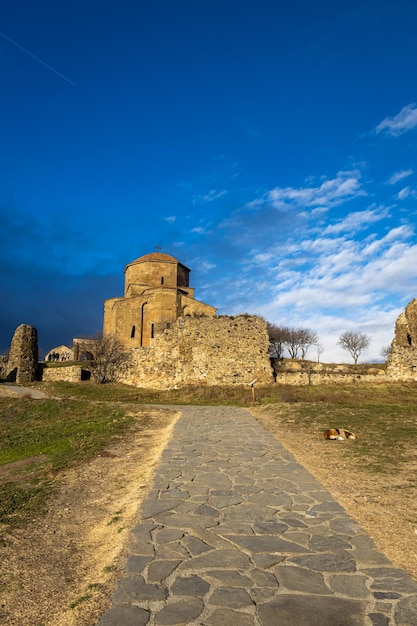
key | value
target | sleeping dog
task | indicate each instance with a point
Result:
(338, 433)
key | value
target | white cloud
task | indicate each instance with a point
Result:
(397, 176)
(335, 282)
(357, 221)
(170, 219)
(330, 193)
(404, 121)
(400, 232)
(406, 192)
(213, 194)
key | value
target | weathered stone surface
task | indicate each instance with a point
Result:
(378, 619)
(406, 611)
(182, 612)
(161, 569)
(270, 528)
(126, 615)
(326, 562)
(231, 578)
(218, 558)
(231, 598)
(352, 586)
(190, 586)
(391, 579)
(310, 611)
(263, 579)
(267, 543)
(402, 361)
(204, 350)
(165, 535)
(141, 548)
(300, 579)
(324, 544)
(173, 550)
(134, 588)
(195, 546)
(136, 564)
(70, 373)
(228, 617)
(22, 366)
(150, 508)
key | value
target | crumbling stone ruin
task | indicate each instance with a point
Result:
(22, 365)
(402, 362)
(3, 366)
(205, 351)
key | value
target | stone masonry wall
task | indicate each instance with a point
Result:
(402, 362)
(22, 366)
(204, 350)
(3, 366)
(296, 372)
(70, 374)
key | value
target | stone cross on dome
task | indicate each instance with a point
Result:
(158, 248)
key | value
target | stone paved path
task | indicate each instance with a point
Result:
(234, 532)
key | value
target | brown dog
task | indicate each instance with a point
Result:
(338, 434)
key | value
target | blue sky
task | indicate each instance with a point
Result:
(269, 146)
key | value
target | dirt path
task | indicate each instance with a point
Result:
(60, 571)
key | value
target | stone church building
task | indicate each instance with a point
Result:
(156, 293)
(176, 340)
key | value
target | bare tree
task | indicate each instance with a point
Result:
(277, 336)
(319, 349)
(299, 340)
(385, 352)
(293, 342)
(308, 338)
(111, 359)
(354, 342)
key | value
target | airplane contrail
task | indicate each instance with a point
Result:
(37, 59)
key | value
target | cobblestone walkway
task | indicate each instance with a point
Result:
(234, 532)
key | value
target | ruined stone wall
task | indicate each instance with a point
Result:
(3, 366)
(83, 348)
(70, 374)
(204, 350)
(295, 372)
(402, 362)
(22, 365)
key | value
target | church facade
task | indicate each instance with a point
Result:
(156, 293)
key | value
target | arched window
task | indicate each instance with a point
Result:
(162, 280)
(133, 332)
(152, 331)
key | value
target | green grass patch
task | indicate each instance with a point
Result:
(43, 437)
(384, 418)
(237, 395)
(18, 502)
(63, 431)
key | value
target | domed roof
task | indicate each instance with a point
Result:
(155, 256)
